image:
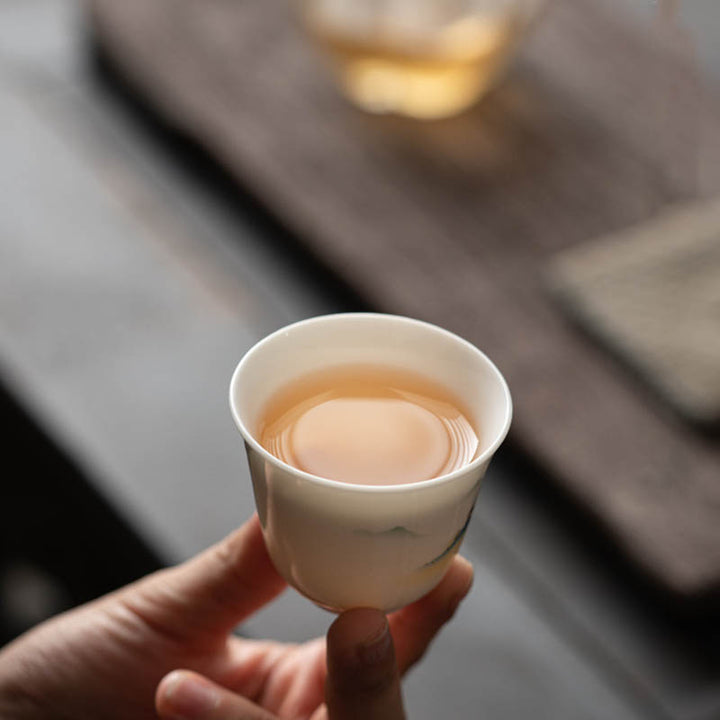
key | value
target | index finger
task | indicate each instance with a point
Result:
(214, 591)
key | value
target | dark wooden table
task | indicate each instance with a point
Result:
(131, 281)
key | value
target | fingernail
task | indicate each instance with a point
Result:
(377, 644)
(189, 696)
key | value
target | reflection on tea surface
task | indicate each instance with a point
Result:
(368, 425)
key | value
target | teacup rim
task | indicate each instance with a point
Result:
(478, 462)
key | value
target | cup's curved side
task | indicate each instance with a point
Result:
(343, 548)
(343, 545)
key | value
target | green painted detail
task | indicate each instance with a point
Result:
(397, 531)
(455, 542)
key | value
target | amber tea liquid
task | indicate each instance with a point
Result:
(404, 61)
(369, 425)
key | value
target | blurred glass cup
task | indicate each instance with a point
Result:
(418, 58)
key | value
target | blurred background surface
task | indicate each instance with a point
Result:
(149, 236)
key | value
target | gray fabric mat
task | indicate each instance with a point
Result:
(652, 294)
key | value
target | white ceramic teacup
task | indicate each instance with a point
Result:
(344, 545)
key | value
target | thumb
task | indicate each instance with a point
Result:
(211, 593)
(363, 679)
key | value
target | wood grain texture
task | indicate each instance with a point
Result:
(455, 221)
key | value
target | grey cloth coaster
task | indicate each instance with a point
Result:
(652, 293)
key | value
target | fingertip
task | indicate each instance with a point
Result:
(185, 694)
(253, 525)
(237, 575)
(443, 599)
(446, 597)
(463, 562)
(247, 536)
(359, 637)
(248, 541)
(320, 713)
(363, 679)
(164, 690)
(463, 575)
(415, 626)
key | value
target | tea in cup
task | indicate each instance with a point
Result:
(367, 437)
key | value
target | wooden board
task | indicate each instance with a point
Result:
(455, 221)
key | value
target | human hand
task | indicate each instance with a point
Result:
(117, 657)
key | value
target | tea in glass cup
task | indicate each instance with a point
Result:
(418, 58)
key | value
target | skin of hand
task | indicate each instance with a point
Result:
(163, 646)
